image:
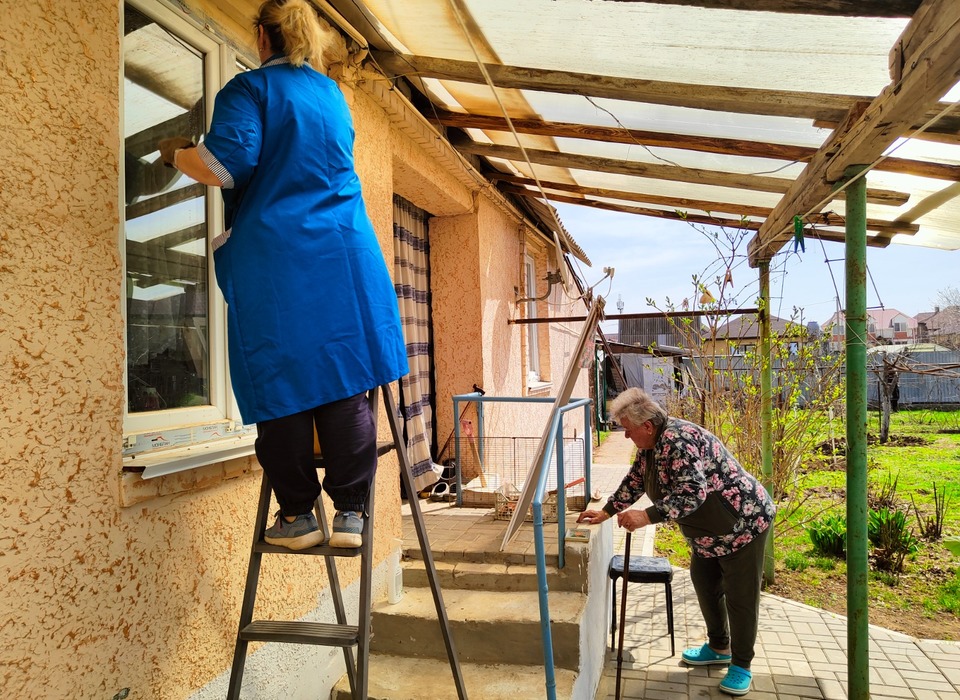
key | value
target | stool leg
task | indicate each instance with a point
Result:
(613, 616)
(673, 649)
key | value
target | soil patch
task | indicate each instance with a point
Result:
(898, 607)
(838, 445)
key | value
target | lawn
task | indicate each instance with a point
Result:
(924, 599)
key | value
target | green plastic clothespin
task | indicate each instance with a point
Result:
(798, 235)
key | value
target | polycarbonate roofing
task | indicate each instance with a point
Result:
(787, 56)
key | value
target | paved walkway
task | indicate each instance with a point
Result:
(801, 651)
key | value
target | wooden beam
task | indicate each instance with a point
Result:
(684, 204)
(778, 103)
(758, 183)
(833, 8)
(631, 317)
(941, 135)
(708, 219)
(700, 144)
(930, 70)
(884, 228)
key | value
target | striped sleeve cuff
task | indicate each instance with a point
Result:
(216, 167)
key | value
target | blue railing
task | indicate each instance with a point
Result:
(554, 442)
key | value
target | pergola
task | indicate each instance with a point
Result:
(836, 117)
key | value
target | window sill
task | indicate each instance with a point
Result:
(539, 388)
(168, 472)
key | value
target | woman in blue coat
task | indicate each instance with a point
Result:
(313, 321)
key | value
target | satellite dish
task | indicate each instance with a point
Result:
(568, 285)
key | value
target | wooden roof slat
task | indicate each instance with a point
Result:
(758, 183)
(700, 144)
(930, 69)
(844, 8)
(779, 103)
(682, 204)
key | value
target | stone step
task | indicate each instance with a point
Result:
(495, 577)
(405, 678)
(487, 627)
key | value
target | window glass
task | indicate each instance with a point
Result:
(533, 344)
(165, 223)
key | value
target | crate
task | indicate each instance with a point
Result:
(506, 505)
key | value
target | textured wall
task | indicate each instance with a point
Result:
(98, 597)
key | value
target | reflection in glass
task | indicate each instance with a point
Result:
(165, 223)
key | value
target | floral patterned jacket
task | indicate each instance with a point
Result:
(693, 479)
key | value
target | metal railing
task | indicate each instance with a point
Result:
(554, 443)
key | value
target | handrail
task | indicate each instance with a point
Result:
(554, 441)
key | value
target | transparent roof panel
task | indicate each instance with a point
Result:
(786, 56)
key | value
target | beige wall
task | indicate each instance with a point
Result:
(99, 596)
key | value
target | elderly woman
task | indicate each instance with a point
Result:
(722, 510)
(313, 318)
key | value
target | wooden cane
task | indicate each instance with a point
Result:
(623, 613)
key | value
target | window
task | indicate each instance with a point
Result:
(533, 344)
(177, 386)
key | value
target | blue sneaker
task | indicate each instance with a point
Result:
(737, 681)
(704, 656)
(303, 532)
(347, 529)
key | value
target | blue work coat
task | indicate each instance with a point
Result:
(312, 312)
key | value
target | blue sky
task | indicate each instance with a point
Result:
(654, 258)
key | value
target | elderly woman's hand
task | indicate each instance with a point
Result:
(632, 520)
(593, 517)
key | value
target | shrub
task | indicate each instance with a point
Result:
(795, 561)
(829, 535)
(892, 539)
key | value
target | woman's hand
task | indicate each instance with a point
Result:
(593, 517)
(632, 520)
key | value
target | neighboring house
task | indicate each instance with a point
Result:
(884, 327)
(113, 342)
(741, 336)
(940, 326)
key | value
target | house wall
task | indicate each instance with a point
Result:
(110, 581)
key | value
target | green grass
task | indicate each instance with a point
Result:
(930, 583)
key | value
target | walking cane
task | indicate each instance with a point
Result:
(623, 612)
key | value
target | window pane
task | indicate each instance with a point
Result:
(165, 224)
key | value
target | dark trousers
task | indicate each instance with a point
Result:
(728, 588)
(347, 433)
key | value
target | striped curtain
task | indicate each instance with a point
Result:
(412, 281)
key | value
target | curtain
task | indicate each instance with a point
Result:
(412, 281)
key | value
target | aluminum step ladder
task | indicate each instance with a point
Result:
(341, 634)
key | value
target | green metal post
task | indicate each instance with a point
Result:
(766, 408)
(858, 640)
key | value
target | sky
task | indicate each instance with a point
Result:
(658, 258)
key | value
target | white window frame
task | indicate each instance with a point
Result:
(220, 64)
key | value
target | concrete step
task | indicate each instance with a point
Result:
(494, 577)
(487, 627)
(405, 678)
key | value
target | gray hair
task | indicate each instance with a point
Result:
(638, 407)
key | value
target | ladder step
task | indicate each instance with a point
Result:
(321, 550)
(295, 632)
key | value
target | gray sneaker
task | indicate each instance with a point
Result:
(347, 529)
(303, 532)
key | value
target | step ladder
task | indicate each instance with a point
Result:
(341, 634)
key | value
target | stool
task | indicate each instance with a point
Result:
(643, 570)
